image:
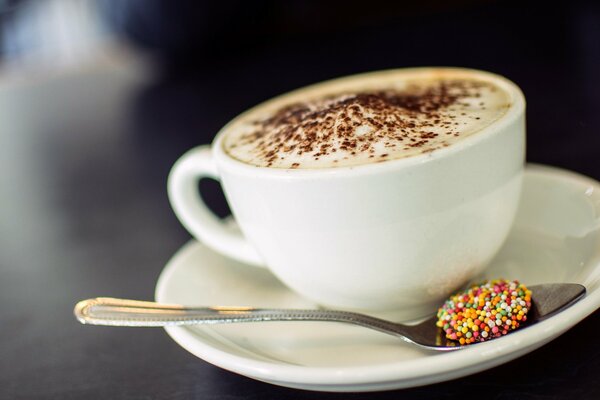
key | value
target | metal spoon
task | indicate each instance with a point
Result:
(547, 299)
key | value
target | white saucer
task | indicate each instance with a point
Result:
(556, 238)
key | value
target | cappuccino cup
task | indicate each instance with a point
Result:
(380, 192)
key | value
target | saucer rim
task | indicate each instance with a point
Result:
(401, 374)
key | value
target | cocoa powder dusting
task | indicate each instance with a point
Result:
(358, 122)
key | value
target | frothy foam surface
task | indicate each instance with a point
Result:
(394, 119)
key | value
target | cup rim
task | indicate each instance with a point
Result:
(516, 109)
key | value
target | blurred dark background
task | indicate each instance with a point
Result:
(218, 58)
(231, 55)
(99, 98)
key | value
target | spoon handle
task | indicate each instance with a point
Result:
(121, 312)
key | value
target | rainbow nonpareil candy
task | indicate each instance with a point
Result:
(485, 311)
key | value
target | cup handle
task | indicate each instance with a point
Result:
(193, 213)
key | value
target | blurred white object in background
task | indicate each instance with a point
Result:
(54, 34)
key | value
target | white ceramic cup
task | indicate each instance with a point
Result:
(391, 238)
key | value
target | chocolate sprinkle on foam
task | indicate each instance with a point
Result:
(371, 126)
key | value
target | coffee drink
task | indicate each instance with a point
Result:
(400, 115)
(381, 192)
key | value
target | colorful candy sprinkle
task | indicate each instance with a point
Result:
(485, 311)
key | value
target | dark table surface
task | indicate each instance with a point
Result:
(84, 156)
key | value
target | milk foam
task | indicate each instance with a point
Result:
(391, 118)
